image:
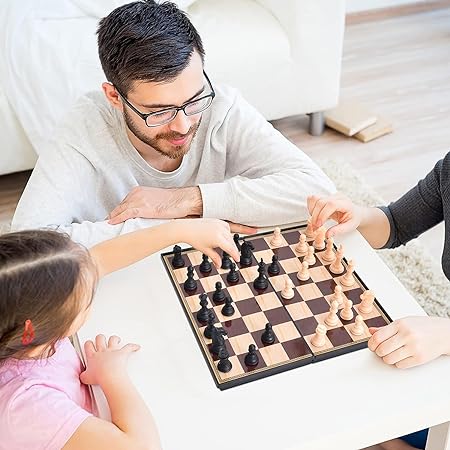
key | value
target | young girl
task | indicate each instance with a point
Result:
(409, 341)
(47, 284)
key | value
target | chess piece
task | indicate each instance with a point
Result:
(348, 279)
(332, 319)
(177, 261)
(367, 300)
(310, 258)
(319, 339)
(233, 276)
(328, 255)
(261, 282)
(219, 295)
(338, 295)
(236, 241)
(319, 239)
(309, 230)
(208, 330)
(205, 265)
(190, 284)
(218, 340)
(303, 273)
(224, 364)
(203, 312)
(288, 290)
(246, 254)
(277, 239)
(226, 261)
(347, 312)
(302, 246)
(358, 327)
(251, 358)
(268, 337)
(228, 308)
(274, 267)
(336, 266)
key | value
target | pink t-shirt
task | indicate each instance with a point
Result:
(42, 402)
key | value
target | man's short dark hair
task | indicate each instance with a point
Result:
(146, 41)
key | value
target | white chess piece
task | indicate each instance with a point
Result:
(367, 300)
(347, 312)
(310, 258)
(338, 295)
(309, 230)
(337, 267)
(277, 238)
(319, 339)
(303, 274)
(288, 290)
(319, 239)
(302, 246)
(329, 255)
(358, 327)
(348, 279)
(332, 319)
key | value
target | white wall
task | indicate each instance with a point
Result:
(365, 5)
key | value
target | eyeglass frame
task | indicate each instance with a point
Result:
(177, 109)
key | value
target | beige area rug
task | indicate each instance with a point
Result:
(411, 263)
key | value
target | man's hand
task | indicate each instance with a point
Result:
(158, 203)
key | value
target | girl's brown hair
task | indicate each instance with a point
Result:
(44, 277)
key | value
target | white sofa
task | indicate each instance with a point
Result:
(283, 55)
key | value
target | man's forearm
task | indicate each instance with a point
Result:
(189, 200)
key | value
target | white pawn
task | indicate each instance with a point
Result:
(319, 240)
(303, 274)
(338, 295)
(332, 319)
(337, 267)
(329, 255)
(358, 327)
(318, 340)
(288, 290)
(302, 246)
(310, 258)
(348, 279)
(347, 312)
(367, 299)
(277, 239)
(309, 230)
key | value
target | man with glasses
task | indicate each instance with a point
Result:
(161, 142)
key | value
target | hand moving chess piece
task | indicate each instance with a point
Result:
(309, 230)
(367, 300)
(319, 240)
(277, 239)
(358, 327)
(336, 266)
(348, 279)
(332, 319)
(329, 255)
(338, 295)
(347, 312)
(303, 273)
(319, 339)
(302, 246)
(310, 258)
(288, 290)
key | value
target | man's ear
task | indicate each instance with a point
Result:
(112, 95)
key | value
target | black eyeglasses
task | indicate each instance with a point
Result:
(163, 116)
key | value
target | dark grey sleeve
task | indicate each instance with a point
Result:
(421, 208)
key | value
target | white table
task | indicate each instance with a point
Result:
(348, 402)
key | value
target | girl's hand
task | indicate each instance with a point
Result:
(106, 361)
(411, 341)
(337, 207)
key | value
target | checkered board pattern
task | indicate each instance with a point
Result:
(293, 321)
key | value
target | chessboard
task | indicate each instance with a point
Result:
(273, 311)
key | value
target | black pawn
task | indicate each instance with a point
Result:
(226, 261)
(274, 268)
(233, 276)
(219, 295)
(224, 365)
(190, 284)
(205, 266)
(203, 313)
(268, 337)
(261, 282)
(209, 328)
(228, 308)
(251, 358)
(177, 260)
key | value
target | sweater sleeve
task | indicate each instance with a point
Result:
(421, 208)
(267, 177)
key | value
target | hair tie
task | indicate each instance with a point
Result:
(28, 333)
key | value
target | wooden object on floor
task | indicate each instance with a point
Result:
(378, 129)
(349, 118)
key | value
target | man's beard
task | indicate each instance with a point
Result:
(156, 143)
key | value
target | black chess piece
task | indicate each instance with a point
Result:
(246, 254)
(261, 282)
(226, 261)
(205, 266)
(219, 295)
(228, 308)
(218, 340)
(177, 260)
(208, 331)
(233, 276)
(268, 337)
(203, 312)
(224, 364)
(236, 241)
(251, 358)
(274, 268)
(190, 284)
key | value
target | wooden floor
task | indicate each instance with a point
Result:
(400, 69)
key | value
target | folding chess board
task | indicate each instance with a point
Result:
(293, 321)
